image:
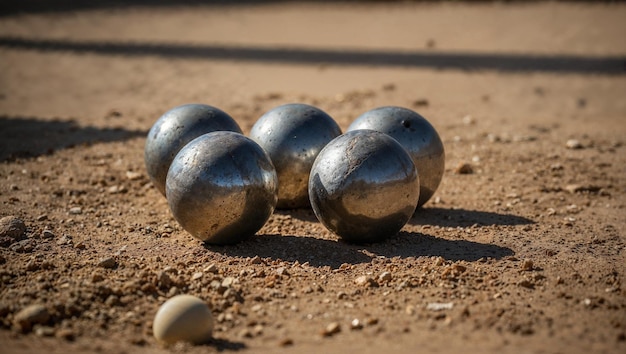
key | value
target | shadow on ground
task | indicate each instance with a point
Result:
(27, 137)
(464, 218)
(424, 58)
(332, 253)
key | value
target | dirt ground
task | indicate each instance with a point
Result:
(525, 254)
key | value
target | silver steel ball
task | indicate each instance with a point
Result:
(222, 187)
(417, 136)
(175, 129)
(364, 186)
(293, 135)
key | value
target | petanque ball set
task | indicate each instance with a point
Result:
(363, 185)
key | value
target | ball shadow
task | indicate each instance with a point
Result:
(464, 218)
(331, 253)
(317, 252)
(412, 244)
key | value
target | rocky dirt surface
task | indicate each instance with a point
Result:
(522, 248)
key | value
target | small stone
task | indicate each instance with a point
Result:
(356, 324)
(96, 277)
(228, 282)
(43, 217)
(164, 280)
(579, 188)
(285, 342)
(469, 120)
(197, 275)
(371, 321)
(212, 268)
(332, 329)
(255, 260)
(439, 306)
(463, 168)
(44, 331)
(526, 284)
(527, 265)
(31, 315)
(422, 102)
(133, 176)
(384, 277)
(12, 227)
(76, 211)
(107, 262)
(573, 144)
(47, 234)
(117, 189)
(282, 271)
(365, 281)
(64, 240)
(66, 334)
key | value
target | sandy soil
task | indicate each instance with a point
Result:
(526, 253)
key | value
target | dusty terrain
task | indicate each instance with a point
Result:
(525, 254)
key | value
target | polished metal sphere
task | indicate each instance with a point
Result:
(364, 186)
(222, 187)
(417, 136)
(293, 135)
(174, 130)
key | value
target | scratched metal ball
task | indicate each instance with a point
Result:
(364, 186)
(175, 129)
(417, 136)
(293, 135)
(222, 187)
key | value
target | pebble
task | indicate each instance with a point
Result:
(579, 188)
(197, 275)
(356, 324)
(285, 342)
(64, 240)
(107, 262)
(76, 211)
(469, 120)
(66, 334)
(12, 227)
(282, 271)
(526, 284)
(527, 265)
(43, 217)
(332, 329)
(384, 277)
(212, 268)
(47, 234)
(44, 331)
(573, 144)
(133, 176)
(365, 281)
(439, 306)
(31, 315)
(463, 168)
(255, 260)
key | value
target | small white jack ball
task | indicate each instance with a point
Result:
(183, 318)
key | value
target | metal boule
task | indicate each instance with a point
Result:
(175, 129)
(222, 187)
(364, 186)
(417, 136)
(293, 135)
